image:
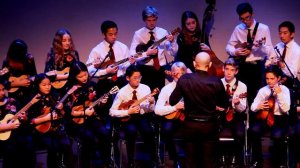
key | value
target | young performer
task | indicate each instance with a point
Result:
(17, 147)
(102, 58)
(60, 57)
(89, 124)
(159, 55)
(189, 39)
(250, 43)
(169, 126)
(46, 116)
(21, 67)
(235, 116)
(272, 104)
(287, 51)
(138, 114)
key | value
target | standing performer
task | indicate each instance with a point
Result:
(141, 42)
(272, 105)
(189, 39)
(61, 56)
(135, 116)
(202, 93)
(173, 114)
(21, 67)
(102, 59)
(250, 44)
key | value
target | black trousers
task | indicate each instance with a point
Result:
(141, 124)
(279, 131)
(252, 74)
(200, 143)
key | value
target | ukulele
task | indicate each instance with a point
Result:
(230, 110)
(89, 105)
(153, 44)
(27, 77)
(128, 104)
(178, 114)
(8, 117)
(45, 126)
(268, 114)
(249, 46)
(57, 84)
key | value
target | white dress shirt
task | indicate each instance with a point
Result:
(99, 53)
(292, 57)
(165, 49)
(161, 108)
(125, 94)
(241, 89)
(282, 99)
(239, 36)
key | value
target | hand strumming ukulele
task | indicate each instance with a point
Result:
(88, 104)
(128, 104)
(45, 126)
(8, 117)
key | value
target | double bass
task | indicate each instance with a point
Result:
(207, 24)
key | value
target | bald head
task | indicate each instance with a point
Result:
(202, 61)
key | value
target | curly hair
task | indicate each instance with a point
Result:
(57, 49)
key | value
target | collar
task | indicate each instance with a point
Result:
(251, 27)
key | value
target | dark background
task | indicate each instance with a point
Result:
(36, 21)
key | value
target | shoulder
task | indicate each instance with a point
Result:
(242, 85)
(122, 45)
(139, 31)
(263, 26)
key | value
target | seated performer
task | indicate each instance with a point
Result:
(235, 116)
(272, 104)
(135, 116)
(173, 114)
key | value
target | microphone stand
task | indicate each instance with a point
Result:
(295, 85)
(107, 55)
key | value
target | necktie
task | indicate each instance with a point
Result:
(134, 97)
(249, 38)
(284, 52)
(112, 54)
(228, 89)
(112, 58)
(229, 114)
(155, 58)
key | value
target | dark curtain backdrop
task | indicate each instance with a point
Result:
(36, 21)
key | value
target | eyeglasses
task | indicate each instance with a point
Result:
(245, 18)
(137, 78)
